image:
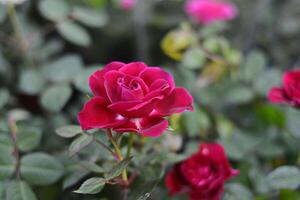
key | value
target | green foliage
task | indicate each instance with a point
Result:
(74, 33)
(54, 10)
(28, 138)
(229, 68)
(79, 143)
(117, 170)
(69, 131)
(41, 169)
(19, 190)
(91, 186)
(284, 177)
(7, 163)
(236, 191)
(55, 97)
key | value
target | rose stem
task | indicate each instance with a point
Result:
(118, 153)
(129, 145)
(17, 32)
(13, 133)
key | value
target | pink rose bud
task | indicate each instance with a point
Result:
(202, 175)
(209, 11)
(133, 97)
(290, 92)
(127, 4)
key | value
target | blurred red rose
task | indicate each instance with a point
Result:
(290, 92)
(202, 175)
(133, 97)
(209, 11)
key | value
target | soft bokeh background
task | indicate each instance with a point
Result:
(48, 52)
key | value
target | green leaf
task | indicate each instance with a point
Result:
(55, 97)
(19, 190)
(41, 169)
(235, 191)
(69, 131)
(195, 122)
(117, 170)
(2, 13)
(74, 33)
(254, 65)
(79, 143)
(63, 69)
(194, 58)
(266, 80)
(6, 143)
(81, 80)
(270, 114)
(91, 186)
(55, 10)
(7, 163)
(92, 167)
(28, 138)
(239, 144)
(90, 17)
(4, 98)
(239, 95)
(31, 82)
(2, 190)
(285, 177)
(292, 121)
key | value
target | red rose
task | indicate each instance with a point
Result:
(290, 92)
(202, 175)
(133, 97)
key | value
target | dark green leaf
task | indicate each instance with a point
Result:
(55, 97)
(28, 138)
(285, 177)
(79, 143)
(7, 163)
(19, 190)
(91, 186)
(235, 191)
(74, 33)
(69, 131)
(90, 17)
(54, 10)
(31, 82)
(117, 170)
(63, 69)
(41, 169)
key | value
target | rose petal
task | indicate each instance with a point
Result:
(95, 114)
(136, 109)
(174, 181)
(291, 84)
(148, 127)
(96, 80)
(151, 74)
(178, 101)
(277, 95)
(133, 69)
(112, 86)
(216, 153)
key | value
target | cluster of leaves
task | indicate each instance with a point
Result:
(43, 83)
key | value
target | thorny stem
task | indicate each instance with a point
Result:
(13, 133)
(118, 153)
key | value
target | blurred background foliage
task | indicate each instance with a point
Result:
(48, 48)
